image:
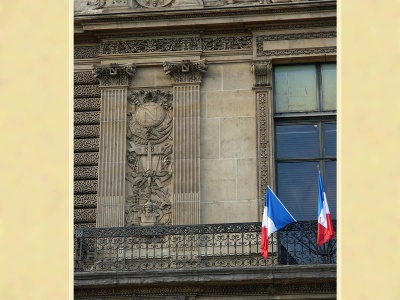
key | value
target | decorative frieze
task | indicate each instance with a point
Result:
(150, 45)
(85, 186)
(149, 157)
(86, 145)
(227, 43)
(87, 104)
(85, 52)
(87, 91)
(86, 201)
(84, 215)
(84, 225)
(114, 74)
(86, 159)
(303, 51)
(86, 172)
(86, 131)
(263, 73)
(84, 78)
(87, 117)
(186, 71)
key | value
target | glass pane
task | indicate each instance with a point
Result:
(328, 86)
(330, 139)
(330, 186)
(295, 88)
(297, 188)
(297, 141)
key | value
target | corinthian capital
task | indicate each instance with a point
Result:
(114, 74)
(185, 71)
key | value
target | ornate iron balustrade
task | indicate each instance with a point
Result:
(196, 246)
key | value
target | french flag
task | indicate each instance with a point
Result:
(325, 230)
(275, 217)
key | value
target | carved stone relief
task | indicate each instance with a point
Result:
(149, 158)
(262, 71)
(186, 70)
(114, 74)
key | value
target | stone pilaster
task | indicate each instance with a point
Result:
(186, 79)
(263, 92)
(114, 80)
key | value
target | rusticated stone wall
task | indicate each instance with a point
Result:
(86, 148)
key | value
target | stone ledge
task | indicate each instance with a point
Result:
(230, 276)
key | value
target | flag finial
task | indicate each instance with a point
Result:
(318, 167)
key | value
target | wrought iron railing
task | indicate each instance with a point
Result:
(196, 246)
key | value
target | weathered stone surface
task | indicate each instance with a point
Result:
(247, 179)
(86, 159)
(86, 172)
(86, 145)
(237, 76)
(213, 80)
(86, 131)
(225, 104)
(209, 138)
(238, 137)
(228, 211)
(85, 186)
(85, 201)
(86, 104)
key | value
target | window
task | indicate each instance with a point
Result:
(305, 136)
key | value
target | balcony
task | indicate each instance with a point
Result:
(196, 247)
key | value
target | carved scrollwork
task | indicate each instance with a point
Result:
(114, 74)
(149, 158)
(186, 70)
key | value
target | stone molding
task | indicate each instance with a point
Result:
(176, 15)
(185, 71)
(263, 73)
(114, 74)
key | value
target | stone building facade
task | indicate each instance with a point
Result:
(174, 124)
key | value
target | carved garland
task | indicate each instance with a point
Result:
(149, 158)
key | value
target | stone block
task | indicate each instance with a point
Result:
(247, 179)
(228, 212)
(237, 76)
(212, 80)
(209, 138)
(144, 77)
(230, 104)
(217, 169)
(161, 78)
(238, 138)
(218, 190)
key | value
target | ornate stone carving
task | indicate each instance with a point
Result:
(86, 145)
(85, 186)
(85, 201)
(263, 73)
(97, 4)
(85, 52)
(294, 36)
(86, 159)
(186, 70)
(154, 3)
(149, 158)
(86, 172)
(114, 74)
(227, 43)
(84, 225)
(86, 131)
(150, 45)
(87, 91)
(87, 117)
(84, 215)
(87, 104)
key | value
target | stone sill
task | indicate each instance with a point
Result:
(268, 274)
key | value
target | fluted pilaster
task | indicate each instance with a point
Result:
(186, 78)
(114, 80)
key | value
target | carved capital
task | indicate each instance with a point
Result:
(114, 74)
(263, 73)
(186, 71)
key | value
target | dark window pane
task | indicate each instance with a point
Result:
(297, 141)
(330, 186)
(328, 86)
(297, 188)
(330, 139)
(295, 88)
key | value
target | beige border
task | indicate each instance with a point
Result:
(34, 181)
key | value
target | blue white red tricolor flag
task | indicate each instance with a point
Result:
(275, 217)
(325, 230)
